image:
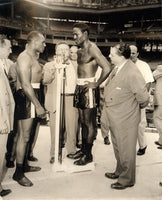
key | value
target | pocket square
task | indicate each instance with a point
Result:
(118, 88)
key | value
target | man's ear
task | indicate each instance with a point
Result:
(86, 33)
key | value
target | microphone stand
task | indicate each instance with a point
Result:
(60, 112)
(62, 115)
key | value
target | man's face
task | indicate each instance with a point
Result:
(5, 50)
(40, 44)
(134, 53)
(114, 57)
(73, 53)
(63, 51)
(78, 36)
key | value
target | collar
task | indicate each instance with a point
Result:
(120, 66)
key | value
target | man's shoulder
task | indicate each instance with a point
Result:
(142, 62)
(92, 45)
(49, 64)
(130, 67)
(10, 62)
(23, 56)
(93, 49)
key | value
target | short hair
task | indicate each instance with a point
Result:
(134, 47)
(74, 46)
(83, 27)
(123, 49)
(3, 39)
(32, 35)
(59, 43)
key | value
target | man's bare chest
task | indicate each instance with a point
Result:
(84, 57)
(36, 72)
(36, 68)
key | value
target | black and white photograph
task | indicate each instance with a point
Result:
(80, 99)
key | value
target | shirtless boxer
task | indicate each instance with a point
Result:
(89, 58)
(27, 104)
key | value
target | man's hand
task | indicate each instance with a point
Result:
(4, 130)
(59, 62)
(60, 66)
(91, 85)
(143, 105)
(41, 112)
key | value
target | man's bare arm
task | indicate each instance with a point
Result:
(102, 62)
(24, 73)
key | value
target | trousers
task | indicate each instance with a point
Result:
(3, 142)
(141, 130)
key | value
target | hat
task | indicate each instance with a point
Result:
(158, 72)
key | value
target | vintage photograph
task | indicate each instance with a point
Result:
(80, 99)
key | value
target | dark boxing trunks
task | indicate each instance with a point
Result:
(84, 99)
(24, 107)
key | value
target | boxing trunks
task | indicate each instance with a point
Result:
(84, 98)
(24, 107)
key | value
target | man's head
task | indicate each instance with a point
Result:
(5, 47)
(62, 49)
(73, 53)
(134, 53)
(80, 33)
(37, 41)
(119, 53)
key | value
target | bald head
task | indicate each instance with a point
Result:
(36, 41)
(134, 53)
(33, 35)
(133, 47)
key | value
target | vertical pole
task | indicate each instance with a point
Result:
(57, 127)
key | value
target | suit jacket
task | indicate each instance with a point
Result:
(7, 104)
(50, 79)
(123, 94)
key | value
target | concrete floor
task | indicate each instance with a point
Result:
(87, 185)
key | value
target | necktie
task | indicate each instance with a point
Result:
(111, 76)
(4, 67)
(114, 72)
(5, 72)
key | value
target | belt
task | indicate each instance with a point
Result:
(68, 94)
(84, 81)
(34, 85)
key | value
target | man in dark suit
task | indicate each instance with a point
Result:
(125, 93)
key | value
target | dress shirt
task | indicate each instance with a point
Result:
(70, 81)
(145, 70)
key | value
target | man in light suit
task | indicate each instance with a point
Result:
(71, 113)
(7, 106)
(125, 93)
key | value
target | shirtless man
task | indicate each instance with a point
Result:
(27, 101)
(89, 58)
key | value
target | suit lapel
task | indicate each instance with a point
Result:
(113, 83)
